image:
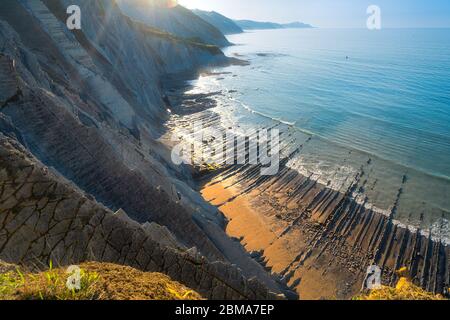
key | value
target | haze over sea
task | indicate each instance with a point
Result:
(376, 102)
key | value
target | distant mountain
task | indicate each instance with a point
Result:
(176, 20)
(224, 24)
(297, 25)
(256, 25)
(253, 25)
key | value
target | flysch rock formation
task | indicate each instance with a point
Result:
(44, 217)
(325, 239)
(81, 114)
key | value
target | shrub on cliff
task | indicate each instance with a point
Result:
(98, 281)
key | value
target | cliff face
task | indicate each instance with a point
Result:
(46, 218)
(224, 24)
(79, 121)
(176, 20)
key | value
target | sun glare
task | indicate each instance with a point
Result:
(163, 3)
(172, 3)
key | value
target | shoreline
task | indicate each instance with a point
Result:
(317, 239)
(320, 259)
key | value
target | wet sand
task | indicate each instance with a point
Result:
(258, 230)
(254, 229)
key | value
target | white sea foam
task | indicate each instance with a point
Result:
(336, 176)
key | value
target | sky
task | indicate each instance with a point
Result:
(333, 13)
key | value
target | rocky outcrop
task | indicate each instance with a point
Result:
(44, 217)
(162, 235)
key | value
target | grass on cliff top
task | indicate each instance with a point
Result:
(404, 290)
(99, 281)
(194, 42)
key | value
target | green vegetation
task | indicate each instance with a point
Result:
(98, 281)
(404, 290)
(145, 29)
(48, 285)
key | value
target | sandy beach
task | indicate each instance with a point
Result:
(318, 240)
(261, 232)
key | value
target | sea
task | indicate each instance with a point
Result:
(353, 98)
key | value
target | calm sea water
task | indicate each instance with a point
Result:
(383, 96)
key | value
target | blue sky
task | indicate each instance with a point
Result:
(333, 13)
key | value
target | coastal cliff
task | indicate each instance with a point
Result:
(173, 19)
(83, 175)
(224, 24)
